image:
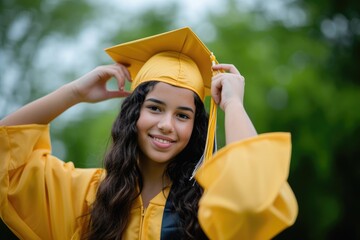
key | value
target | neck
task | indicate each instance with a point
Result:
(153, 179)
(152, 173)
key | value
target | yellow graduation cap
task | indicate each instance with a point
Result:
(176, 57)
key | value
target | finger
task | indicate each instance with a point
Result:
(125, 70)
(120, 73)
(216, 86)
(231, 77)
(226, 67)
(117, 94)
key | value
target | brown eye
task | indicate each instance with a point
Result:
(153, 108)
(183, 116)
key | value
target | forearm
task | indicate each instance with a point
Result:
(43, 110)
(238, 125)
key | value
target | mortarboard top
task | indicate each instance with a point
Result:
(183, 41)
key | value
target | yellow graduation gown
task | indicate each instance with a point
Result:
(246, 191)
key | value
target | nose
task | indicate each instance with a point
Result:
(166, 124)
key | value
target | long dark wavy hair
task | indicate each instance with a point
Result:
(110, 212)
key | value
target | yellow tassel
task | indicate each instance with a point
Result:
(211, 132)
(209, 147)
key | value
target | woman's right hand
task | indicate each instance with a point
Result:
(92, 86)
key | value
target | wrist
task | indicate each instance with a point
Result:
(233, 105)
(69, 94)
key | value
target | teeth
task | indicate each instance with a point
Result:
(161, 140)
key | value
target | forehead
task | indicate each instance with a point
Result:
(168, 93)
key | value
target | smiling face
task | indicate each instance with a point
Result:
(165, 124)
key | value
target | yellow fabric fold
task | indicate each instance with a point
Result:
(246, 194)
(41, 197)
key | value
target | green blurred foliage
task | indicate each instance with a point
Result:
(302, 76)
(25, 26)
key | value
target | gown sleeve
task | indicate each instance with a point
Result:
(41, 197)
(246, 193)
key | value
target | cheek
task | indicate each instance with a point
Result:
(139, 123)
(143, 120)
(186, 131)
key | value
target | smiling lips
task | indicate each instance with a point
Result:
(161, 142)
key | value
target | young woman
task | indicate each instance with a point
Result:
(146, 189)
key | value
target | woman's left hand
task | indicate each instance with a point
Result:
(228, 86)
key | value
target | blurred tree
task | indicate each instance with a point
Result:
(337, 24)
(26, 26)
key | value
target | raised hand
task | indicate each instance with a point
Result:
(92, 86)
(227, 90)
(227, 86)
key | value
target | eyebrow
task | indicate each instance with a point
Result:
(163, 103)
